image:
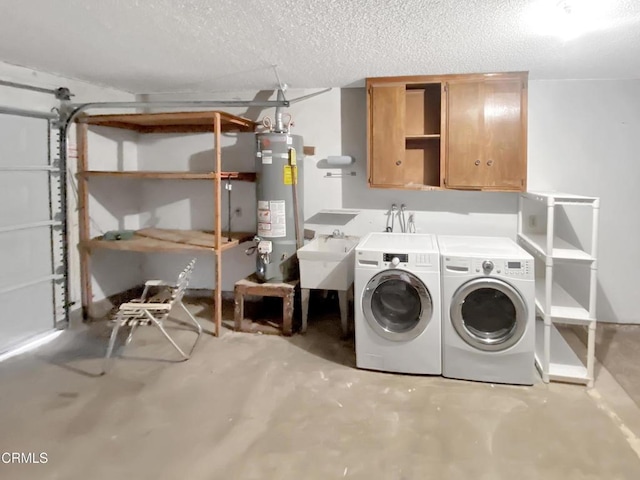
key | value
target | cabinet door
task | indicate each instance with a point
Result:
(387, 140)
(504, 161)
(465, 109)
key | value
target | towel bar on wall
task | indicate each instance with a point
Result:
(339, 175)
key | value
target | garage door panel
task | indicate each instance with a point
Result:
(27, 313)
(32, 286)
(25, 255)
(23, 141)
(24, 198)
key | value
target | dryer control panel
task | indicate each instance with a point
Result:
(519, 268)
(516, 268)
(390, 259)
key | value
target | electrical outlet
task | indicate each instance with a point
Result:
(533, 221)
(238, 212)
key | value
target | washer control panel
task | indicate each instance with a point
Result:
(401, 260)
(402, 257)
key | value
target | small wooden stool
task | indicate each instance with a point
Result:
(251, 286)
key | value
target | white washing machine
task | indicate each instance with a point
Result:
(397, 295)
(488, 310)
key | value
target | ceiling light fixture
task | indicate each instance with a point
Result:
(567, 19)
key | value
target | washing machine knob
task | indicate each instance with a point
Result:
(395, 261)
(487, 265)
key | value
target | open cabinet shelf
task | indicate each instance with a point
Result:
(153, 239)
(405, 135)
(423, 106)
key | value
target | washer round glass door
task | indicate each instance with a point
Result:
(397, 305)
(488, 314)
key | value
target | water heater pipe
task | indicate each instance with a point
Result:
(293, 162)
(279, 125)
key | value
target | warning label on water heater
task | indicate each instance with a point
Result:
(272, 219)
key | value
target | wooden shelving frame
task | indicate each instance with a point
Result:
(161, 240)
(242, 176)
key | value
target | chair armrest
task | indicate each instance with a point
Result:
(145, 306)
(153, 283)
(157, 283)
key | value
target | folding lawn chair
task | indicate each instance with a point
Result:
(153, 310)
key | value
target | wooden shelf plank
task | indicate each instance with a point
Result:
(171, 122)
(423, 137)
(168, 240)
(241, 176)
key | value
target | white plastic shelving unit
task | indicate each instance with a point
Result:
(554, 357)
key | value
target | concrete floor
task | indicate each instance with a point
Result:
(618, 349)
(265, 407)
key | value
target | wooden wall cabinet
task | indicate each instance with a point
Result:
(450, 131)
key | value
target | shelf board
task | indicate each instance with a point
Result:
(242, 176)
(565, 308)
(423, 137)
(172, 122)
(564, 365)
(562, 249)
(559, 198)
(167, 240)
(409, 186)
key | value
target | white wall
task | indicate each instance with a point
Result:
(335, 123)
(584, 138)
(127, 272)
(189, 204)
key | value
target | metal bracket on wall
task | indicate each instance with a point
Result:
(63, 93)
(24, 86)
(339, 175)
(78, 108)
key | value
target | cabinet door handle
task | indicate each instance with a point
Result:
(490, 162)
(398, 162)
(477, 162)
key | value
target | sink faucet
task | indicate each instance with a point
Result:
(337, 234)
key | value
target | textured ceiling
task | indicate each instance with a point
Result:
(146, 46)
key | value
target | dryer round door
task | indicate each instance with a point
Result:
(489, 314)
(397, 305)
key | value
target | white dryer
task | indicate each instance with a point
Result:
(397, 303)
(488, 310)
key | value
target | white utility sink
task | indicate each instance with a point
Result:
(327, 262)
